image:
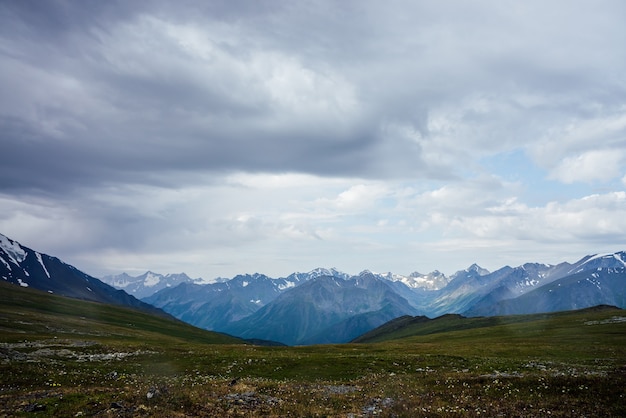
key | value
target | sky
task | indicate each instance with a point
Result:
(225, 137)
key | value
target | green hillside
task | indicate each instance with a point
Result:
(64, 357)
(32, 314)
(544, 324)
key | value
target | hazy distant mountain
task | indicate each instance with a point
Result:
(325, 310)
(431, 281)
(214, 306)
(148, 283)
(463, 290)
(28, 268)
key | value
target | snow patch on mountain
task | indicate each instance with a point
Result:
(12, 249)
(525, 284)
(621, 256)
(318, 272)
(287, 285)
(431, 281)
(617, 259)
(151, 279)
(42, 265)
(146, 284)
(7, 265)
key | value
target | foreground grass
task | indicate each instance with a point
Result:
(59, 364)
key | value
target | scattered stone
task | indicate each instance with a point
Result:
(250, 400)
(152, 393)
(35, 407)
(340, 389)
(116, 405)
(497, 375)
(377, 405)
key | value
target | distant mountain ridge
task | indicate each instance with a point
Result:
(148, 283)
(301, 309)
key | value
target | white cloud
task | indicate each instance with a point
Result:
(360, 197)
(585, 149)
(602, 165)
(593, 218)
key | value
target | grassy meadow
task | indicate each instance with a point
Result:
(62, 357)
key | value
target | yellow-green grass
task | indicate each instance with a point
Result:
(61, 357)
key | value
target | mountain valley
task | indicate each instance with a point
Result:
(327, 306)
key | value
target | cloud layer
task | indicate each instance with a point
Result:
(218, 138)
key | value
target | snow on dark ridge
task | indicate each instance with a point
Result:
(617, 259)
(26, 267)
(13, 249)
(7, 265)
(42, 264)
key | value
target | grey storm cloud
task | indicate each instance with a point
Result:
(279, 129)
(99, 92)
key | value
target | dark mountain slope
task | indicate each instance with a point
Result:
(25, 267)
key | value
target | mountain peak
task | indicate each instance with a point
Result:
(475, 268)
(620, 256)
(13, 249)
(147, 283)
(321, 271)
(478, 269)
(617, 259)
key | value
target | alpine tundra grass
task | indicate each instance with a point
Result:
(63, 357)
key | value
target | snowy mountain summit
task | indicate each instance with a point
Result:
(148, 283)
(432, 281)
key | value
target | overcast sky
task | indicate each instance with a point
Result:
(226, 137)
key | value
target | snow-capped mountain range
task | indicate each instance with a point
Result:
(148, 283)
(327, 305)
(257, 306)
